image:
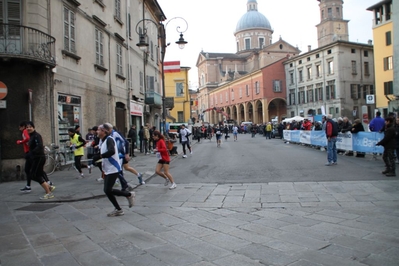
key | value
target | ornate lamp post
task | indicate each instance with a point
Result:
(143, 45)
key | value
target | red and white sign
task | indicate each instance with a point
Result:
(3, 90)
(172, 66)
(136, 109)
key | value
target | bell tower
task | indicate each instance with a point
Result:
(332, 26)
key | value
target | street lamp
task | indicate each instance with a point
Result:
(143, 45)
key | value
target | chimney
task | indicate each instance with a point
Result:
(309, 48)
(370, 42)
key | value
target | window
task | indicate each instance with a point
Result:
(319, 92)
(309, 70)
(180, 117)
(240, 93)
(232, 94)
(388, 38)
(331, 110)
(353, 51)
(364, 90)
(317, 55)
(388, 63)
(330, 90)
(129, 77)
(310, 93)
(338, 13)
(227, 96)
(331, 67)
(308, 59)
(69, 31)
(329, 51)
(301, 96)
(118, 9)
(179, 89)
(291, 78)
(216, 99)
(366, 69)
(221, 98)
(257, 87)
(292, 97)
(150, 83)
(291, 65)
(354, 89)
(388, 87)
(247, 90)
(354, 72)
(119, 65)
(366, 53)
(371, 89)
(318, 70)
(152, 50)
(277, 84)
(300, 62)
(99, 47)
(300, 76)
(261, 42)
(129, 26)
(329, 11)
(247, 44)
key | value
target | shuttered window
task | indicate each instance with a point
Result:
(10, 13)
(69, 30)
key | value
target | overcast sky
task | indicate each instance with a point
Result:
(211, 25)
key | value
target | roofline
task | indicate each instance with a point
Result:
(371, 8)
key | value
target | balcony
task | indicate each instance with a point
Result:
(153, 98)
(22, 42)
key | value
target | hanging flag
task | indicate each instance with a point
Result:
(172, 66)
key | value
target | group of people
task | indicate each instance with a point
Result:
(389, 126)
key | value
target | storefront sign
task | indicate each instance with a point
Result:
(68, 99)
(3, 104)
(136, 109)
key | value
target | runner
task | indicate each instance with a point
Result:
(218, 136)
(235, 132)
(164, 160)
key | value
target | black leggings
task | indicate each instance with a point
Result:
(77, 163)
(184, 143)
(109, 182)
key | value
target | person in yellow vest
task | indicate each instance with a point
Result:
(77, 144)
(269, 128)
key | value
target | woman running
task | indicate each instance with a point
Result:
(164, 159)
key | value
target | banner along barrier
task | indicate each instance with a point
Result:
(359, 142)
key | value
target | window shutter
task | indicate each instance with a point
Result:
(13, 12)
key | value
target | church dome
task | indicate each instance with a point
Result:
(253, 19)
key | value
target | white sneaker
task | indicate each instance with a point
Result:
(184, 156)
(100, 179)
(131, 199)
(173, 186)
(166, 182)
(191, 152)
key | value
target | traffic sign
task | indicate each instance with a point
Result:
(3, 90)
(370, 99)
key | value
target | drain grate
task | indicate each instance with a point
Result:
(37, 207)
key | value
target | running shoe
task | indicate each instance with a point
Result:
(173, 186)
(184, 156)
(115, 213)
(140, 177)
(166, 182)
(26, 189)
(47, 196)
(52, 188)
(131, 199)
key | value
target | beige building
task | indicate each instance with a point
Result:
(337, 77)
(75, 62)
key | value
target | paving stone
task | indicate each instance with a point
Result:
(236, 260)
(309, 232)
(96, 257)
(338, 214)
(300, 187)
(271, 214)
(324, 218)
(218, 226)
(178, 238)
(150, 226)
(270, 222)
(375, 260)
(193, 229)
(320, 204)
(304, 263)
(301, 240)
(280, 205)
(231, 221)
(270, 198)
(325, 259)
(391, 253)
(284, 246)
(261, 229)
(99, 236)
(364, 245)
(46, 239)
(10, 229)
(172, 255)
(144, 240)
(250, 236)
(289, 198)
(299, 220)
(13, 242)
(345, 252)
(144, 259)
(205, 250)
(22, 256)
(51, 250)
(166, 219)
(340, 229)
(121, 248)
(266, 255)
(383, 239)
(241, 205)
(225, 241)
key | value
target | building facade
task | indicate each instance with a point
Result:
(75, 62)
(232, 86)
(383, 34)
(337, 78)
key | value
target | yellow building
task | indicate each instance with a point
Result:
(176, 86)
(383, 54)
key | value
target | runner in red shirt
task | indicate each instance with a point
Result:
(164, 159)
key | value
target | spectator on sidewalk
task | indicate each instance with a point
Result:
(358, 127)
(377, 124)
(389, 144)
(132, 135)
(331, 134)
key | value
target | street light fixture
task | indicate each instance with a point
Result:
(143, 45)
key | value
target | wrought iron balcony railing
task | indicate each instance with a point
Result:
(26, 42)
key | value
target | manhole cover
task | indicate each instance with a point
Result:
(37, 207)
